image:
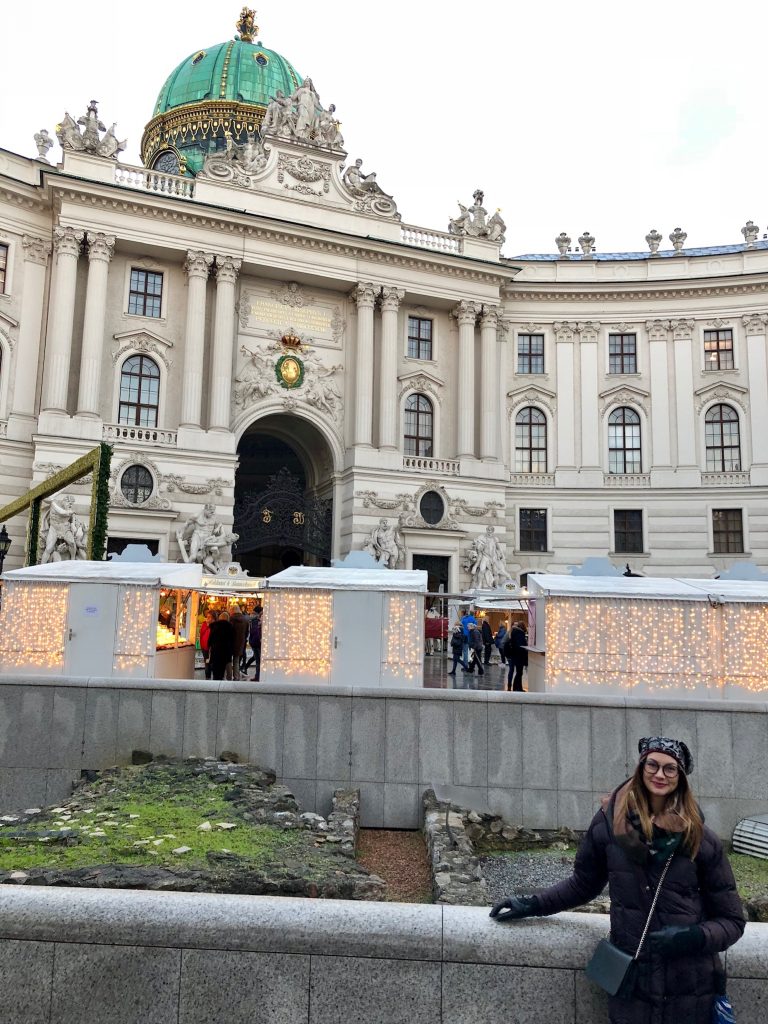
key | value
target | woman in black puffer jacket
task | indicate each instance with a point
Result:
(698, 914)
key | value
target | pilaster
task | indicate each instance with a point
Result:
(101, 249)
(364, 295)
(198, 267)
(21, 422)
(489, 403)
(757, 364)
(390, 306)
(66, 243)
(227, 269)
(466, 313)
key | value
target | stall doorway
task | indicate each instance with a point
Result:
(283, 497)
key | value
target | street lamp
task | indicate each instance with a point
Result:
(5, 543)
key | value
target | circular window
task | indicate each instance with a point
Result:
(261, 59)
(136, 484)
(432, 508)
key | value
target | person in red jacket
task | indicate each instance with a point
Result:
(205, 637)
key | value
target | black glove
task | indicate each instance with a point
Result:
(677, 940)
(515, 907)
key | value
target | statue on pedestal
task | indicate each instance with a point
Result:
(385, 544)
(43, 141)
(473, 221)
(206, 541)
(89, 141)
(486, 562)
(64, 532)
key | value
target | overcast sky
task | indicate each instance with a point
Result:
(603, 116)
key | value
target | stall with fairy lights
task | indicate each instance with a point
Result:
(103, 619)
(648, 637)
(348, 627)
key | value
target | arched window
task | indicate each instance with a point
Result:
(624, 454)
(721, 431)
(139, 392)
(419, 419)
(530, 441)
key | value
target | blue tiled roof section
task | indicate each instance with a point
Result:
(713, 250)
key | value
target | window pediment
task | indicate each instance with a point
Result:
(142, 340)
(722, 391)
(624, 394)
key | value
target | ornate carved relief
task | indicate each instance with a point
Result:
(722, 393)
(682, 330)
(565, 330)
(530, 328)
(214, 485)
(658, 330)
(460, 506)
(367, 194)
(624, 396)
(36, 250)
(100, 246)
(365, 294)
(307, 172)
(260, 378)
(411, 518)
(143, 341)
(67, 241)
(198, 263)
(371, 499)
(717, 323)
(532, 396)
(621, 328)
(116, 497)
(422, 383)
(466, 312)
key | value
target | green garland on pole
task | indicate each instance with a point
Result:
(33, 532)
(97, 542)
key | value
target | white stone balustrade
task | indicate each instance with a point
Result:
(439, 241)
(140, 435)
(733, 479)
(532, 479)
(627, 479)
(154, 181)
(424, 465)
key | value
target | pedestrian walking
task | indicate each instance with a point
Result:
(205, 633)
(517, 656)
(501, 636)
(476, 649)
(487, 635)
(221, 643)
(457, 647)
(668, 876)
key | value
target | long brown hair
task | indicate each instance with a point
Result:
(681, 802)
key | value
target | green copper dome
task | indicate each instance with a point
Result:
(214, 94)
(240, 71)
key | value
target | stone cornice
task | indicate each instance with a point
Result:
(302, 236)
(643, 292)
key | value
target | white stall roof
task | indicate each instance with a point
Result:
(166, 574)
(649, 588)
(299, 577)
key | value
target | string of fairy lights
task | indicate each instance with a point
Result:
(655, 646)
(33, 624)
(297, 632)
(403, 630)
(135, 636)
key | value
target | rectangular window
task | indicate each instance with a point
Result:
(622, 353)
(530, 353)
(419, 338)
(727, 531)
(146, 293)
(3, 267)
(718, 350)
(628, 531)
(533, 529)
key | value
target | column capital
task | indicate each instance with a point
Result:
(67, 241)
(682, 330)
(227, 269)
(36, 250)
(588, 330)
(754, 323)
(565, 330)
(100, 246)
(658, 330)
(466, 312)
(198, 263)
(391, 298)
(490, 317)
(364, 294)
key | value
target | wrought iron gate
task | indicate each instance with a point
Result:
(283, 515)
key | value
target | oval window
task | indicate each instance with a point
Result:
(432, 508)
(136, 484)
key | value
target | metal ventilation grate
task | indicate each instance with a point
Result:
(751, 836)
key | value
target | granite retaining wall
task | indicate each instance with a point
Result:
(90, 956)
(540, 760)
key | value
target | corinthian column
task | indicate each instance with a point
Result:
(390, 304)
(101, 248)
(66, 242)
(36, 252)
(365, 297)
(466, 315)
(489, 393)
(227, 269)
(198, 266)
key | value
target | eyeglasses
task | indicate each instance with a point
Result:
(652, 767)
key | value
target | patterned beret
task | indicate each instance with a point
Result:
(664, 745)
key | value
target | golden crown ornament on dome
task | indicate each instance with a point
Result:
(247, 26)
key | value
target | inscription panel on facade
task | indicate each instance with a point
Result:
(290, 308)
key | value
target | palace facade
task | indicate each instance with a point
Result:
(250, 324)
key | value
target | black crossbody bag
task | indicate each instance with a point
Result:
(613, 969)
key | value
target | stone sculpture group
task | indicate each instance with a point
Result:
(386, 545)
(89, 140)
(203, 539)
(486, 562)
(475, 222)
(62, 532)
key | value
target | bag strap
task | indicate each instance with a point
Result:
(653, 905)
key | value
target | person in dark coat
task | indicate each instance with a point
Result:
(517, 656)
(650, 818)
(487, 634)
(205, 632)
(254, 639)
(240, 625)
(221, 644)
(476, 649)
(457, 647)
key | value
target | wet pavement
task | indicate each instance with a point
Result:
(437, 667)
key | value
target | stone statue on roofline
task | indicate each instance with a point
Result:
(474, 222)
(366, 191)
(236, 163)
(89, 140)
(301, 117)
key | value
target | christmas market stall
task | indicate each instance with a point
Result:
(348, 627)
(82, 618)
(648, 637)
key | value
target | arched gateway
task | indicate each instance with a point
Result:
(283, 496)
